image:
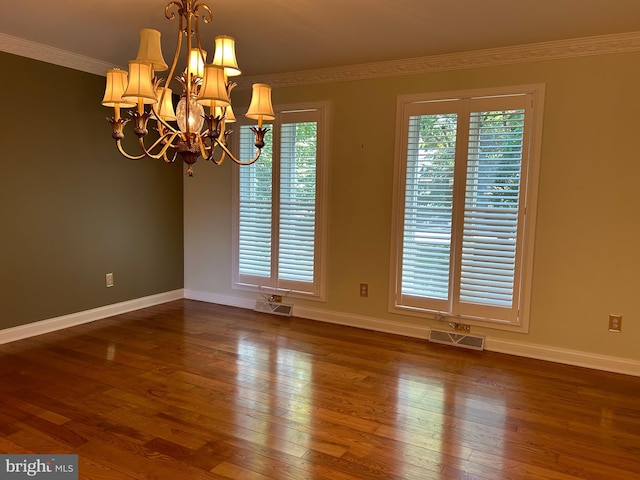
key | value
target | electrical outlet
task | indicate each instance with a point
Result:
(109, 280)
(615, 323)
(364, 289)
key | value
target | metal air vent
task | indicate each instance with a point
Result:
(474, 342)
(276, 308)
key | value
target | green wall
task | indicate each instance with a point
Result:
(71, 208)
(588, 225)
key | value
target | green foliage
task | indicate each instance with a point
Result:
(495, 150)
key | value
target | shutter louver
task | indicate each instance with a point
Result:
(255, 211)
(428, 205)
(491, 208)
(296, 248)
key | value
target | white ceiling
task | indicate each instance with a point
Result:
(274, 36)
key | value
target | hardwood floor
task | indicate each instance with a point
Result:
(189, 390)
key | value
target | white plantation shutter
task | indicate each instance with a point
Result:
(255, 209)
(279, 198)
(298, 151)
(428, 205)
(492, 198)
(464, 165)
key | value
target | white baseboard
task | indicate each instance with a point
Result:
(50, 325)
(577, 358)
(220, 299)
(522, 349)
(360, 321)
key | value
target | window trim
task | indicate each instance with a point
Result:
(322, 199)
(529, 192)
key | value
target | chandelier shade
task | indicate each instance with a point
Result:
(196, 61)
(227, 112)
(260, 107)
(150, 49)
(197, 126)
(140, 86)
(116, 85)
(225, 55)
(214, 88)
(165, 111)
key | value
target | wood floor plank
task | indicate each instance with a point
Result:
(194, 390)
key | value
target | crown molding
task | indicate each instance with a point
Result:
(56, 56)
(534, 52)
(580, 47)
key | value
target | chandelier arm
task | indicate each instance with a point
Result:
(160, 120)
(175, 156)
(226, 150)
(211, 148)
(125, 154)
(176, 55)
(220, 160)
(217, 142)
(197, 30)
(206, 19)
(172, 15)
(203, 147)
(201, 6)
(187, 85)
(168, 138)
(211, 158)
(162, 153)
(144, 149)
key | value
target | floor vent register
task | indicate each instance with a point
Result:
(463, 340)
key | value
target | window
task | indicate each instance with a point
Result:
(465, 197)
(279, 220)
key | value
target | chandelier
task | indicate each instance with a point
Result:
(188, 132)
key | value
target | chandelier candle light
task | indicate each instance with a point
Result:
(203, 86)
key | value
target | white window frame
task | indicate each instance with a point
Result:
(409, 105)
(316, 290)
